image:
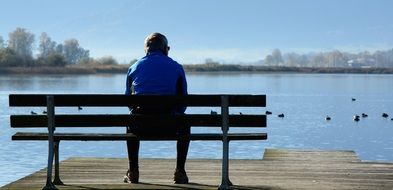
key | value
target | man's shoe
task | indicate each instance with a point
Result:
(131, 177)
(180, 177)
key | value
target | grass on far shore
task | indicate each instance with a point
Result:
(122, 69)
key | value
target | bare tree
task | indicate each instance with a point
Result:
(318, 60)
(73, 52)
(277, 57)
(293, 60)
(268, 60)
(46, 46)
(70, 50)
(1, 42)
(336, 59)
(59, 48)
(21, 41)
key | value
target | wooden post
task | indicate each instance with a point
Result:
(50, 104)
(225, 182)
(57, 180)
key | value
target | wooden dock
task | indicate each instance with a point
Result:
(279, 169)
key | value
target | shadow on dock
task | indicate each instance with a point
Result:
(279, 169)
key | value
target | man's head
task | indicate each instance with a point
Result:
(156, 42)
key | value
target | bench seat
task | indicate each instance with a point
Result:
(122, 137)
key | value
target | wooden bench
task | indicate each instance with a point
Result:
(51, 121)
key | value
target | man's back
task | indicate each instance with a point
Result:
(156, 73)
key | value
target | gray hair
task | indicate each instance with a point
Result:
(156, 42)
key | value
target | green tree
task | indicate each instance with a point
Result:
(56, 59)
(107, 60)
(8, 57)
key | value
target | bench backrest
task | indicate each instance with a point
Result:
(120, 120)
(52, 120)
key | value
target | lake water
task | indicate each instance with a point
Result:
(305, 99)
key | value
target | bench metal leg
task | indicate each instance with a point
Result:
(57, 180)
(51, 128)
(225, 182)
(49, 184)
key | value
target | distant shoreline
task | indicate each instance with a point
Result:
(71, 70)
(122, 69)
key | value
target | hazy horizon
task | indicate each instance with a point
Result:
(226, 31)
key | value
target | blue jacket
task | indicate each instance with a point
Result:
(156, 73)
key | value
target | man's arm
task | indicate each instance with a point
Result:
(181, 88)
(128, 83)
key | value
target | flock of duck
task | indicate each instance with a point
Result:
(357, 117)
(281, 115)
(328, 118)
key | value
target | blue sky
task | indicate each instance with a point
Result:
(224, 30)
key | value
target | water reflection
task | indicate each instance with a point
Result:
(305, 99)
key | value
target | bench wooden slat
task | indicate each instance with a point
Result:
(119, 120)
(113, 100)
(122, 137)
(162, 102)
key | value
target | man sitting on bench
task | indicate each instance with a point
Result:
(156, 73)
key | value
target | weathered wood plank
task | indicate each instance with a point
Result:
(121, 120)
(310, 155)
(122, 137)
(113, 100)
(106, 173)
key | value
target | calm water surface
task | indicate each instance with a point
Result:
(305, 99)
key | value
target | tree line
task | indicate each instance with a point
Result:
(18, 51)
(332, 59)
